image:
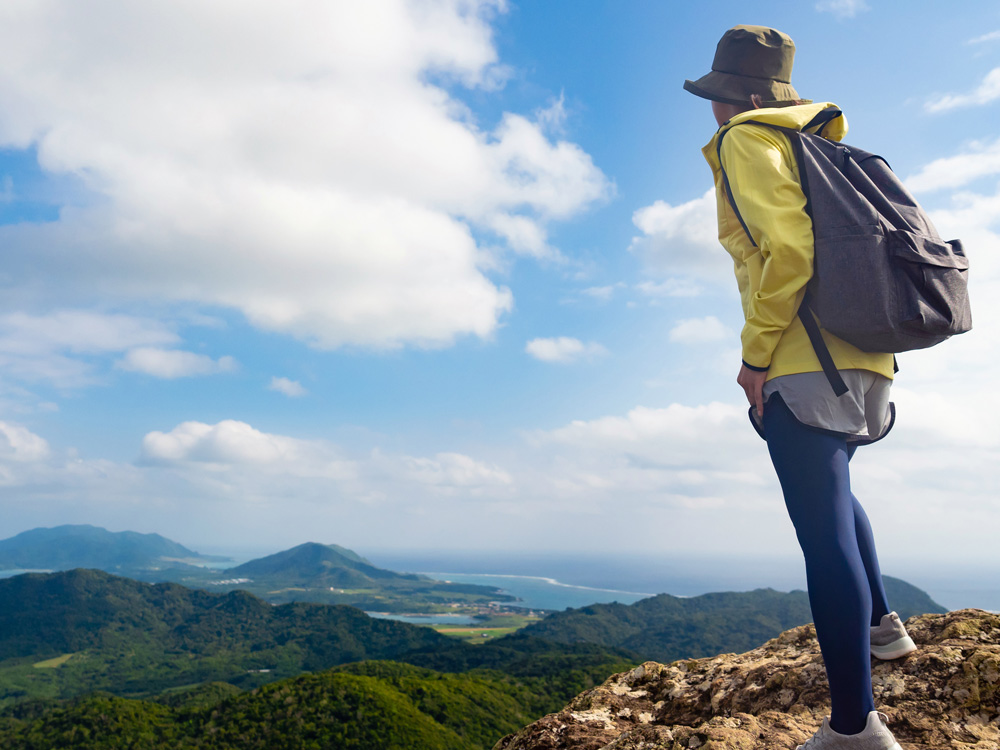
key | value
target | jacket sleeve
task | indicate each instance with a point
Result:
(760, 165)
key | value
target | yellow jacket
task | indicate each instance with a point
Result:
(764, 178)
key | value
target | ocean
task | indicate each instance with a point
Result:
(535, 592)
(555, 582)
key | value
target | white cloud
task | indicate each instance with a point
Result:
(553, 117)
(78, 331)
(692, 478)
(57, 347)
(232, 457)
(701, 473)
(679, 456)
(231, 444)
(699, 331)
(452, 472)
(603, 293)
(670, 288)
(986, 92)
(980, 159)
(291, 388)
(313, 172)
(226, 442)
(992, 36)
(17, 443)
(682, 240)
(563, 349)
(173, 363)
(842, 8)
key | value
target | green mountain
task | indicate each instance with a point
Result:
(311, 572)
(64, 634)
(186, 668)
(126, 636)
(328, 574)
(665, 628)
(313, 564)
(368, 706)
(84, 546)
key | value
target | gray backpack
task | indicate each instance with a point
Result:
(883, 279)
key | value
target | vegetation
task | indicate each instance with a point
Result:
(131, 638)
(665, 628)
(83, 546)
(64, 634)
(487, 627)
(181, 668)
(311, 572)
(415, 596)
(372, 705)
(328, 574)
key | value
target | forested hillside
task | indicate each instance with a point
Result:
(180, 668)
(367, 706)
(310, 572)
(64, 634)
(85, 546)
(665, 628)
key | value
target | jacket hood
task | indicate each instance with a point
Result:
(796, 117)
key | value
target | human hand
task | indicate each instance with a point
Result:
(752, 383)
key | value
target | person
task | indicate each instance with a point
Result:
(811, 433)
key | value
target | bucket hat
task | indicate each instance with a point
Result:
(750, 60)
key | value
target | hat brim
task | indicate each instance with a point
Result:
(733, 89)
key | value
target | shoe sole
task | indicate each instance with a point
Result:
(896, 649)
(895, 746)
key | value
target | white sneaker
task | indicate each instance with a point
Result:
(875, 737)
(890, 639)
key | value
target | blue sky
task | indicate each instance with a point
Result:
(443, 275)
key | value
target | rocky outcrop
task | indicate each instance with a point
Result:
(945, 695)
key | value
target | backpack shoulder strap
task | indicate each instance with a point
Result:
(820, 347)
(813, 127)
(821, 120)
(729, 189)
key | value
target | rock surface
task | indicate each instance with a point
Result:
(945, 695)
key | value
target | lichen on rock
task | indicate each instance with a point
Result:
(945, 695)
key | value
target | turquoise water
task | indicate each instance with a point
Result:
(538, 592)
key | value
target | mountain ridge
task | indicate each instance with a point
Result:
(312, 572)
(666, 627)
(125, 636)
(318, 564)
(85, 546)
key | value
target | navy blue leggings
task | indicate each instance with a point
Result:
(845, 584)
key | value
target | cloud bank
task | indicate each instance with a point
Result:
(317, 171)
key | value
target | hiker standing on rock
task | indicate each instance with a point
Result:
(811, 433)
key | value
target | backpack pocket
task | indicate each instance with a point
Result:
(851, 286)
(932, 295)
